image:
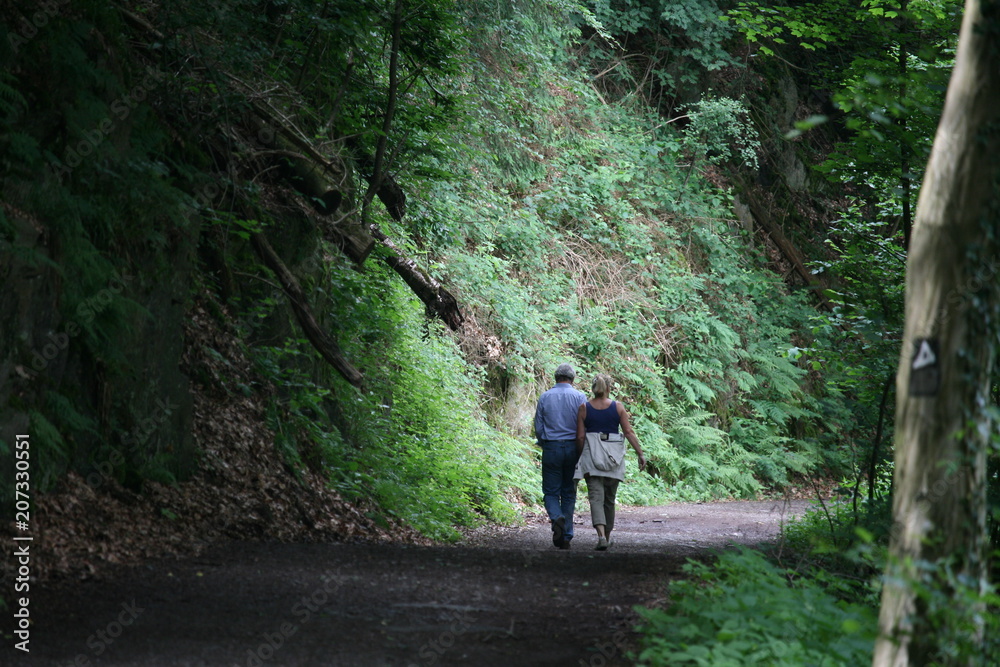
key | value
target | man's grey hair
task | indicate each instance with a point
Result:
(565, 372)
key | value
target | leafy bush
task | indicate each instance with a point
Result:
(836, 525)
(412, 441)
(848, 546)
(963, 612)
(745, 611)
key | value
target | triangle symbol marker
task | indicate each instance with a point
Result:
(925, 356)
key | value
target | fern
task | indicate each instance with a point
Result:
(52, 450)
(745, 382)
(777, 413)
(694, 390)
(722, 335)
(736, 481)
(692, 434)
(11, 99)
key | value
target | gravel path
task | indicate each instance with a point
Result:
(501, 597)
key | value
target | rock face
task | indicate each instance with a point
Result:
(29, 344)
(786, 204)
(134, 400)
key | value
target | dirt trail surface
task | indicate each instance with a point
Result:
(500, 597)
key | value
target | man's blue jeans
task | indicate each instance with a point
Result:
(559, 459)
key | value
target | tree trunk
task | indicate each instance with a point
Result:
(904, 149)
(942, 428)
(380, 161)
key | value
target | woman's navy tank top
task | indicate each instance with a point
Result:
(602, 421)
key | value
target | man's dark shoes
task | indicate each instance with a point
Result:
(565, 544)
(559, 531)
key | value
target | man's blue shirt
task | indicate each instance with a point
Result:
(555, 414)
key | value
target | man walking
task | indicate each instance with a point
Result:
(555, 429)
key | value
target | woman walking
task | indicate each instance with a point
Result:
(602, 425)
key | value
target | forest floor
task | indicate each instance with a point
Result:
(501, 596)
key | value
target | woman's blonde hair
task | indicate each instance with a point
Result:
(601, 386)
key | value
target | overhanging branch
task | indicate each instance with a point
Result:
(320, 340)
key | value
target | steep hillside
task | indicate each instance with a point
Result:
(300, 269)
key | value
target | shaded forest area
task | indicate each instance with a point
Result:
(299, 269)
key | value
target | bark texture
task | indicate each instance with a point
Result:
(939, 501)
(320, 339)
(438, 302)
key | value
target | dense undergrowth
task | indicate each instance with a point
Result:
(743, 610)
(593, 242)
(578, 209)
(812, 599)
(571, 225)
(568, 171)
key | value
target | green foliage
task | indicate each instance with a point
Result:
(745, 611)
(960, 611)
(412, 442)
(700, 23)
(703, 461)
(891, 117)
(886, 64)
(810, 27)
(679, 43)
(847, 541)
(856, 346)
(722, 127)
(89, 166)
(737, 364)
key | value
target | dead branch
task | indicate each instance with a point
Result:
(438, 301)
(320, 340)
(787, 248)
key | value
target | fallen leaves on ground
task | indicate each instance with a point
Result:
(243, 490)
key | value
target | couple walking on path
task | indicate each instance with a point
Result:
(582, 439)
